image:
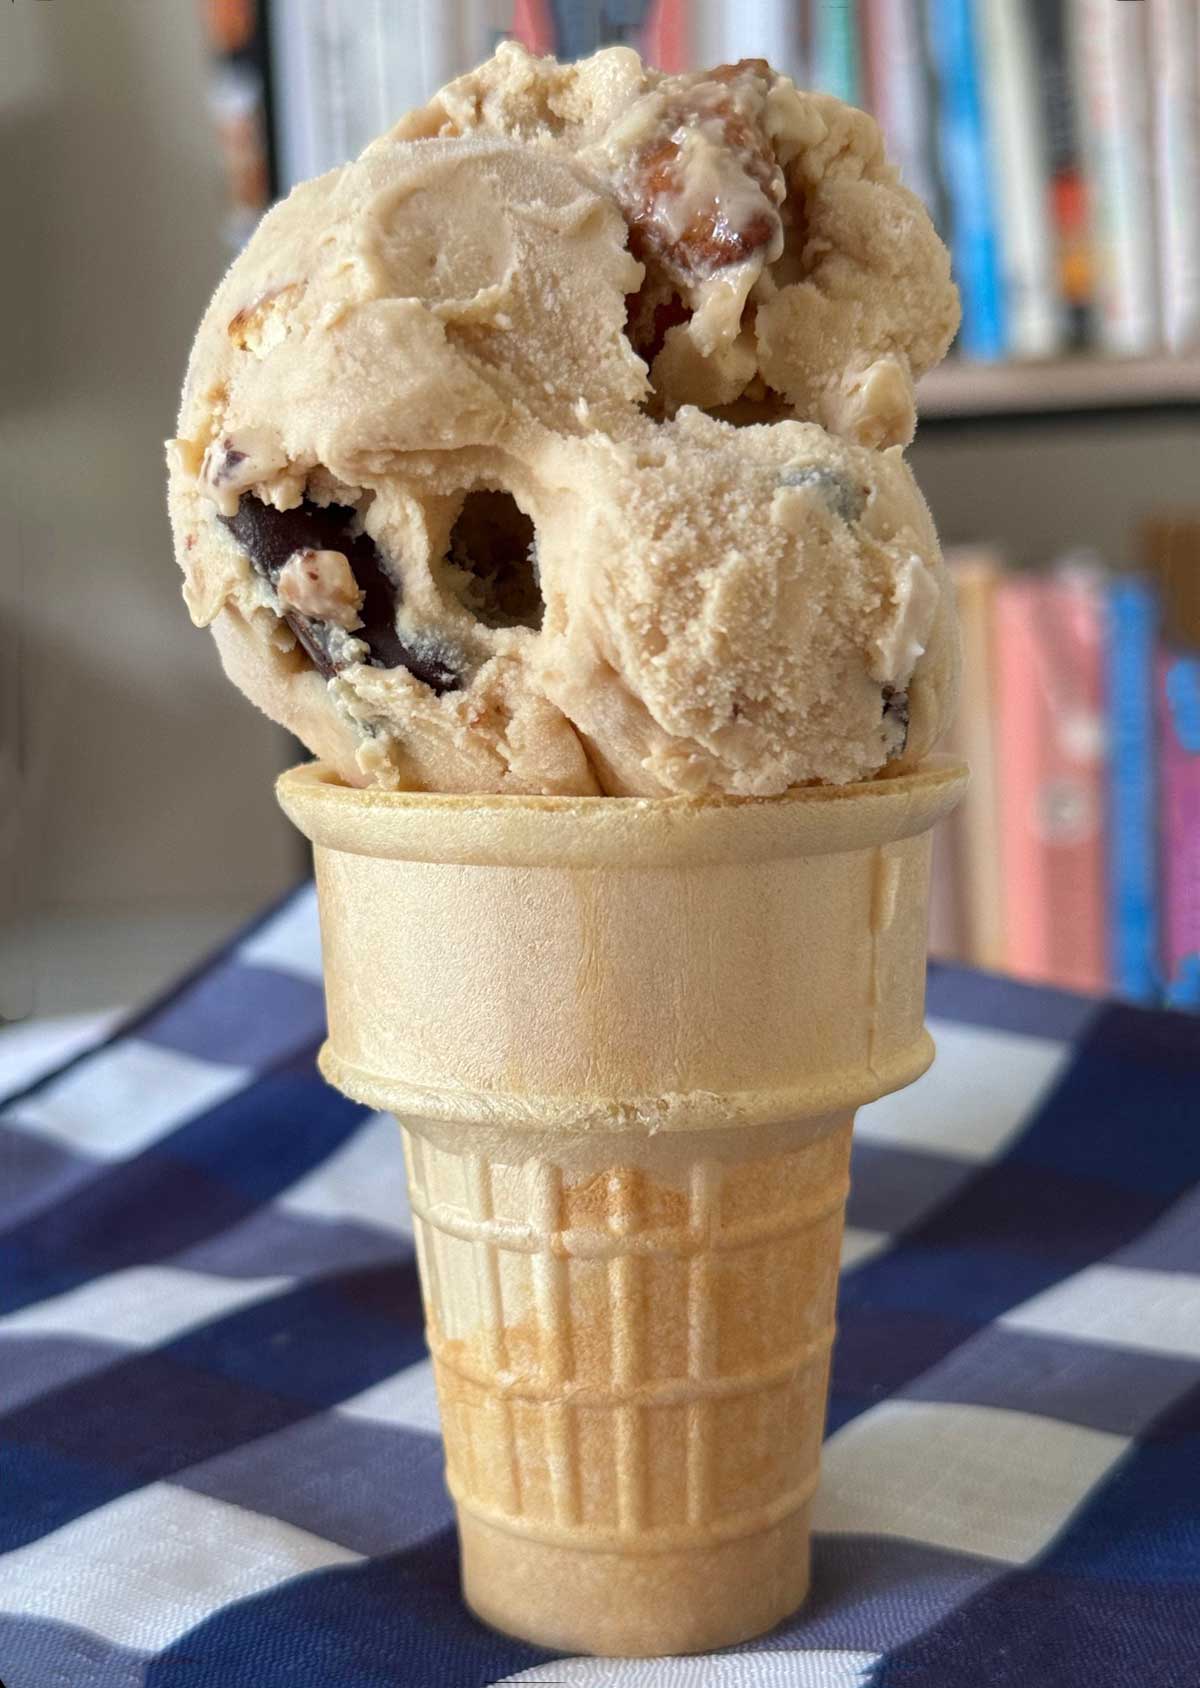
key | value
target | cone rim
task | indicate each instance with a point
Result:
(571, 1114)
(491, 829)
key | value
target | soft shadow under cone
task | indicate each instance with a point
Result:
(625, 1040)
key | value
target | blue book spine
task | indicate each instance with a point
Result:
(963, 141)
(835, 49)
(1133, 834)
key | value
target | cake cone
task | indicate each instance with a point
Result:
(626, 1040)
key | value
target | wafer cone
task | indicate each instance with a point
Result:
(625, 1040)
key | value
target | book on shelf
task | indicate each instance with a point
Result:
(238, 89)
(1112, 55)
(1064, 177)
(962, 129)
(897, 88)
(1171, 554)
(1048, 643)
(660, 29)
(1175, 65)
(533, 25)
(1179, 740)
(1170, 550)
(1074, 858)
(834, 61)
(666, 35)
(1133, 858)
(344, 71)
(774, 30)
(947, 935)
(1017, 169)
(972, 832)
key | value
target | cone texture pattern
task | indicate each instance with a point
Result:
(636, 1359)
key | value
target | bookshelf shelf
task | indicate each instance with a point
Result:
(961, 389)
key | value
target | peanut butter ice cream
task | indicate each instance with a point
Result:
(555, 445)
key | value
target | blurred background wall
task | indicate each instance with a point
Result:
(147, 823)
(1038, 486)
(148, 826)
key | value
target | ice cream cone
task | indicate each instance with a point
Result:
(626, 1040)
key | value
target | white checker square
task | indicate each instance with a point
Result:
(979, 1480)
(980, 1091)
(364, 1180)
(1122, 1306)
(291, 942)
(859, 1245)
(120, 1100)
(139, 1307)
(407, 1399)
(148, 1567)
(816, 1667)
(30, 1048)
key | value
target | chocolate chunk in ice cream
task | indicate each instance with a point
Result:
(270, 538)
(494, 544)
(895, 710)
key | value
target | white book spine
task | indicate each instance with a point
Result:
(899, 94)
(1175, 61)
(710, 32)
(1018, 151)
(421, 46)
(1111, 48)
(764, 29)
(347, 70)
(294, 116)
(486, 23)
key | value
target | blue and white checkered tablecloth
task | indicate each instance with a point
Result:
(218, 1434)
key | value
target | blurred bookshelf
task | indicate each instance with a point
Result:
(961, 390)
(1074, 858)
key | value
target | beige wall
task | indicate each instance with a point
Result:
(146, 780)
(1039, 489)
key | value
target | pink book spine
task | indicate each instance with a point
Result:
(1179, 773)
(873, 40)
(666, 36)
(533, 25)
(1020, 728)
(1050, 754)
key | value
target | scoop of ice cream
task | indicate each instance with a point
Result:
(741, 609)
(442, 489)
(785, 265)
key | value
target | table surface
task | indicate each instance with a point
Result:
(218, 1433)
